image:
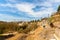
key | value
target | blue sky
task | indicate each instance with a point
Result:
(17, 10)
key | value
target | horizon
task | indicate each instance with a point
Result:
(27, 10)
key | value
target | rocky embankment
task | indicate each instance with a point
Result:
(45, 30)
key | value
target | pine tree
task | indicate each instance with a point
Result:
(58, 8)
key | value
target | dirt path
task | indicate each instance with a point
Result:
(18, 35)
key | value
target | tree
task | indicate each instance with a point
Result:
(58, 8)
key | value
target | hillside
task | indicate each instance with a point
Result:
(48, 32)
(44, 29)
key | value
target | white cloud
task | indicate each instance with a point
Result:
(8, 4)
(25, 7)
(5, 17)
(54, 1)
(46, 11)
(46, 4)
(57, 0)
(11, 1)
